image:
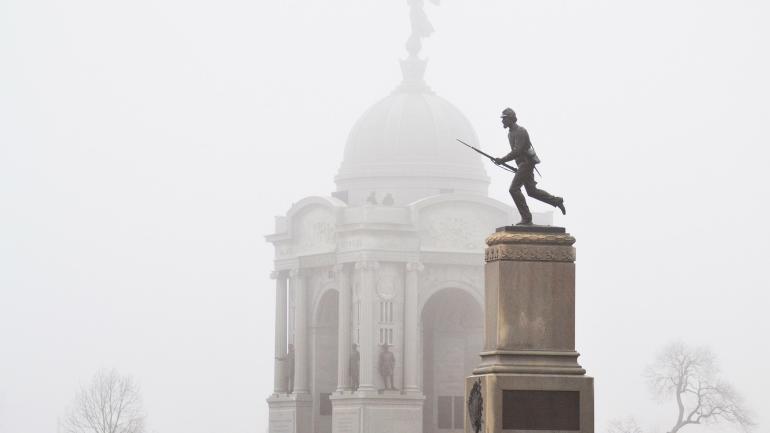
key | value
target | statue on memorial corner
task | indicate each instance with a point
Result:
(386, 366)
(372, 198)
(354, 363)
(526, 159)
(388, 200)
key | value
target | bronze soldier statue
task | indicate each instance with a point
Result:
(354, 364)
(387, 364)
(526, 159)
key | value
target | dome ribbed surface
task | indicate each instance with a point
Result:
(417, 129)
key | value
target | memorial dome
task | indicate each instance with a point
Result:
(406, 144)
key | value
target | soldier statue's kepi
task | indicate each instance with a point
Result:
(526, 159)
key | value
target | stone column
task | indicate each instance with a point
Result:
(368, 277)
(301, 346)
(411, 328)
(342, 279)
(279, 383)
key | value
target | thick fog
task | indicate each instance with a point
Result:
(146, 146)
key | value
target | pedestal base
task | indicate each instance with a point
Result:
(529, 362)
(376, 412)
(290, 413)
(529, 403)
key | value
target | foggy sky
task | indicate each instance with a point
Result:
(146, 146)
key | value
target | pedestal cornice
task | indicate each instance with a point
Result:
(530, 244)
(529, 237)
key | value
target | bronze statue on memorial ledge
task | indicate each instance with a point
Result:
(386, 366)
(526, 159)
(354, 364)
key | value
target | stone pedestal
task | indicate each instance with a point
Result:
(376, 412)
(290, 413)
(529, 379)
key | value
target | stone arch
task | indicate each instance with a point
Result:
(324, 356)
(319, 296)
(428, 292)
(451, 331)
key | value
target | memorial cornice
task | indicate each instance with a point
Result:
(377, 227)
(452, 258)
(318, 260)
(368, 265)
(309, 261)
(415, 267)
(375, 255)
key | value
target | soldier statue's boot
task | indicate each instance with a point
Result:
(560, 205)
(525, 222)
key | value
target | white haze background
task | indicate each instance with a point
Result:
(145, 147)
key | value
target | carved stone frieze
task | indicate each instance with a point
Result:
(456, 227)
(349, 244)
(314, 231)
(389, 282)
(375, 240)
(386, 288)
(531, 253)
(508, 238)
(452, 232)
(530, 246)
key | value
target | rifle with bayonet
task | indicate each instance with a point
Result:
(502, 165)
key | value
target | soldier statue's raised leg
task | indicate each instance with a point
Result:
(525, 177)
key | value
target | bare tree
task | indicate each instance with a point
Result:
(627, 425)
(110, 404)
(690, 375)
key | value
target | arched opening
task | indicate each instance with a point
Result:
(324, 360)
(452, 333)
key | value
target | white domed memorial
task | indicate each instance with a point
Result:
(393, 261)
